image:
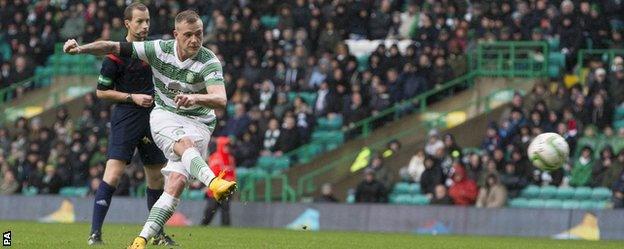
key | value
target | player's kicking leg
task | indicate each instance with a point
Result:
(178, 172)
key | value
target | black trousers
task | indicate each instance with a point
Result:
(211, 210)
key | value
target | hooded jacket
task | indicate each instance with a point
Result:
(463, 192)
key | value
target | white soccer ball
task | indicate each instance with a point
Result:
(548, 151)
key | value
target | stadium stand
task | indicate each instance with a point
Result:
(301, 73)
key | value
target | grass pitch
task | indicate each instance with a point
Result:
(38, 235)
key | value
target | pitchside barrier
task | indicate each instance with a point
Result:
(602, 224)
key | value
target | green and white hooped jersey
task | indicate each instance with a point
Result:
(172, 76)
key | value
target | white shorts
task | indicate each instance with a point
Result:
(168, 128)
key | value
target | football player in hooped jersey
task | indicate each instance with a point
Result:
(128, 82)
(189, 85)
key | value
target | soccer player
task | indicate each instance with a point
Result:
(189, 84)
(129, 83)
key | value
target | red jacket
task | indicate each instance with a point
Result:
(222, 160)
(463, 192)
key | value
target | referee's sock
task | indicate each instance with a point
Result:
(103, 196)
(197, 166)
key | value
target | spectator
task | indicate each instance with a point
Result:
(327, 194)
(270, 136)
(288, 139)
(246, 151)
(582, 168)
(381, 172)
(434, 143)
(415, 168)
(431, 176)
(464, 190)
(370, 190)
(51, 182)
(221, 162)
(9, 184)
(441, 197)
(493, 194)
(237, 124)
(600, 169)
(513, 181)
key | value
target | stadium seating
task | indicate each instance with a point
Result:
(407, 194)
(565, 197)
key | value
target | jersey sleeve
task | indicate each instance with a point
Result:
(212, 73)
(144, 50)
(108, 74)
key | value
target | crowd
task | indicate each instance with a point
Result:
(269, 49)
(500, 169)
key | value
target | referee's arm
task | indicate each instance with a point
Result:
(106, 90)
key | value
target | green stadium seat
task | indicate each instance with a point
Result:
(269, 22)
(265, 162)
(66, 191)
(600, 205)
(565, 193)
(185, 194)
(547, 192)
(329, 124)
(536, 203)
(196, 194)
(30, 191)
(362, 62)
(419, 200)
(618, 124)
(402, 199)
(582, 193)
(601, 193)
(351, 198)
(556, 58)
(619, 113)
(553, 203)
(554, 71)
(530, 191)
(588, 204)
(519, 203)
(308, 97)
(553, 44)
(280, 163)
(571, 204)
(401, 188)
(414, 188)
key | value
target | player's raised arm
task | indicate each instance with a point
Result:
(123, 49)
(95, 48)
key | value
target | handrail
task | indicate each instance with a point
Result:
(365, 124)
(305, 183)
(248, 192)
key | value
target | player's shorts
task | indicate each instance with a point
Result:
(168, 128)
(130, 130)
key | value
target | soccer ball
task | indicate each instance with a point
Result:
(548, 151)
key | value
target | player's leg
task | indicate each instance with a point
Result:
(175, 182)
(154, 160)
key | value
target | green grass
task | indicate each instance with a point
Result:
(37, 235)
